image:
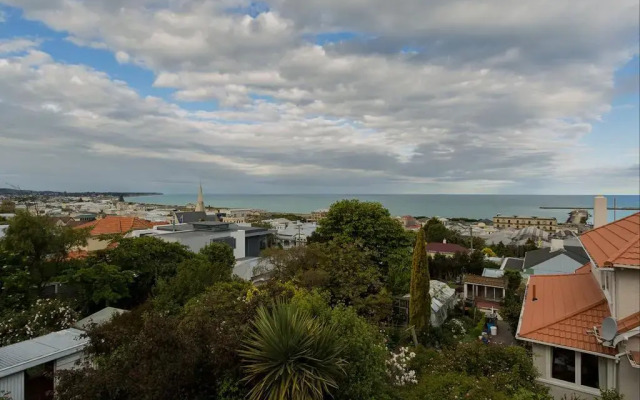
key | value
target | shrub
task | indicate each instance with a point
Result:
(45, 316)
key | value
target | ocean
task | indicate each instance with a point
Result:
(442, 205)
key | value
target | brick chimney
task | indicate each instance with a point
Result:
(599, 211)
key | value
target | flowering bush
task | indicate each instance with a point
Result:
(44, 316)
(398, 369)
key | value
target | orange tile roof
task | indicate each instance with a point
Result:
(627, 323)
(615, 244)
(116, 224)
(585, 269)
(566, 307)
(73, 255)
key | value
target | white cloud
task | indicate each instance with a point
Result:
(489, 92)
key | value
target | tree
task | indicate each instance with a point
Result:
(193, 277)
(341, 268)
(99, 284)
(489, 252)
(290, 355)
(44, 316)
(476, 263)
(512, 302)
(149, 354)
(420, 301)
(220, 254)
(364, 350)
(7, 206)
(150, 258)
(435, 231)
(369, 225)
(37, 247)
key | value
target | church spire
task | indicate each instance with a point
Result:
(200, 205)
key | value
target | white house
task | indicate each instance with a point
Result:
(584, 327)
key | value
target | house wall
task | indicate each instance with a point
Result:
(560, 264)
(627, 292)
(628, 380)
(68, 362)
(14, 385)
(96, 244)
(542, 358)
(240, 250)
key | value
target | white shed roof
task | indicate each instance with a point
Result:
(21, 356)
(98, 318)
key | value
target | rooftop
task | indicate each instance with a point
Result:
(24, 355)
(615, 244)
(535, 257)
(438, 247)
(628, 323)
(115, 224)
(484, 280)
(565, 307)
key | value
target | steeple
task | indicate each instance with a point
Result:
(200, 204)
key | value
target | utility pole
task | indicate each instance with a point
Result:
(471, 236)
(614, 208)
(299, 226)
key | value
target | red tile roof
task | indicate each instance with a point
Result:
(77, 254)
(627, 323)
(445, 248)
(115, 224)
(566, 307)
(615, 244)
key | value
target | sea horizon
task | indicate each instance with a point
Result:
(477, 206)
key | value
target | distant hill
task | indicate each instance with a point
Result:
(52, 193)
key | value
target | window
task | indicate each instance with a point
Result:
(589, 375)
(563, 365)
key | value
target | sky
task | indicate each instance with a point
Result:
(320, 96)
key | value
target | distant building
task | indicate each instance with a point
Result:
(409, 223)
(557, 259)
(246, 241)
(200, 203)
(446, 249)
(317, 215)
(519, 222)
(485, 292)
(294, 233)
(110, 225)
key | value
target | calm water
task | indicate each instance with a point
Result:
(470, 206)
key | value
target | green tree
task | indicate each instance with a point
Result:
(7, 206)
(150, 258)
(193, 277)
(420, 301)
(290, 355)
(435, 231)
(220, 254)
(44, 316)
(369, 225)
(512, 302)
(37, 248)
(99, 284)
(341, 268)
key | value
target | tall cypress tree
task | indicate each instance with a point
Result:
(420, 302)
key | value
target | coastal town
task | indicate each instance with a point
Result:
(319, 200)
(568, 291)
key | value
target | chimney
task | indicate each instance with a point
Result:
(557, 244)
(599, 211)
(534, 293)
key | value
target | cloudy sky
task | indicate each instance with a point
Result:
(320, 96)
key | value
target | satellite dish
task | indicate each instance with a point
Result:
(609, 329)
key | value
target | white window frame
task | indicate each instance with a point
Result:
(603, 372)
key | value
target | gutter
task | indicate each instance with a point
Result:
(566, 347)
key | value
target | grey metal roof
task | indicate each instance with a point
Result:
(24, 355)
(492, 273)
(99, 317)
(535, 257)
(194, 216)
(514, 264)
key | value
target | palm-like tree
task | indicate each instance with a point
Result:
(290, 355)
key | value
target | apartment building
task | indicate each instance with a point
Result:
(519, 222)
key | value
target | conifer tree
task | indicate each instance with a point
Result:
(420, 302)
